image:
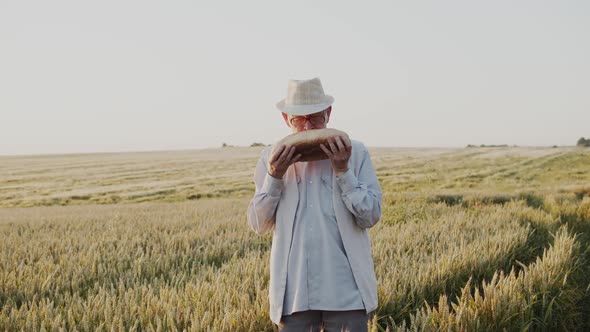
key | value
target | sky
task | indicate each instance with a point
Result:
(100, 76)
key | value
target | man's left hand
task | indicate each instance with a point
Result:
(339, 153)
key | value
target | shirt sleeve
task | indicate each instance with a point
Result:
(362, 195)
(263, 206)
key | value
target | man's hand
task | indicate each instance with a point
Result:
(280, 161)
(339, 153)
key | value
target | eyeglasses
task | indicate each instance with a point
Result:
(316, 120)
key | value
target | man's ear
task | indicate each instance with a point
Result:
(329, 112)
(286, 117)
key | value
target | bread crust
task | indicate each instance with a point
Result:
(308, 143)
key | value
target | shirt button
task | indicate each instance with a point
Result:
(310, 181)
(310, 205)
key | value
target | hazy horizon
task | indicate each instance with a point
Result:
(149, 76)
(410, 148)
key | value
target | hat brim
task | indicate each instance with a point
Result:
(305, 109)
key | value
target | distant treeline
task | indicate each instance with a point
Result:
(489, 146)
(225, 145)
(581, 142)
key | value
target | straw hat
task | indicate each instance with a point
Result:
(305, 97)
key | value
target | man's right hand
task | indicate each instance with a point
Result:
(280, 161)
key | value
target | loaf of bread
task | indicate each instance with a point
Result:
(308, 143)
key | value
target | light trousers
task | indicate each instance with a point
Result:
(327, 321)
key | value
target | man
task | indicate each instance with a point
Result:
(321, 267)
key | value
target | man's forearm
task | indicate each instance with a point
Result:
(363, 200)
(263, 206)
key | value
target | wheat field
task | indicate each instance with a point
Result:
(473, 239)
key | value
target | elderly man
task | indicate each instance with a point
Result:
(321, 267)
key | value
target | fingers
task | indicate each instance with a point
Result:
(286, 158)
(326, 151)
(297, 157)
(341, 147)
(281, 159)
(277, 153)
(290, 155)
(286, 155)
(344, 144)
(338, 145)
(347, 142)
(332, 145)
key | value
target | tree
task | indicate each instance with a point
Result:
(583, 142)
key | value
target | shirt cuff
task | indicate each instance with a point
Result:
(272, 185)
(347, 181)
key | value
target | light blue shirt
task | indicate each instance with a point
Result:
(319, 276)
